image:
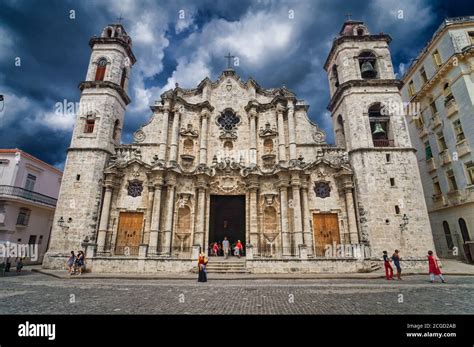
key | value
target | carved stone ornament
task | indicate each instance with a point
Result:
(319, 137)
(267, 131)
(135, 188)
(139, 136)
(188, 131)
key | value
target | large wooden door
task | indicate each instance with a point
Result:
(325, 231)
(129, 233)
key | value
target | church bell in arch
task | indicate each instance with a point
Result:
(378, 129)
(367, 70)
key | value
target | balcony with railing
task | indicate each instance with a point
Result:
(462, 148)
(431, 163)
(435, 121)
(17, 192)
(445, 157)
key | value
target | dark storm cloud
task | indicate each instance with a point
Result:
(54, 52)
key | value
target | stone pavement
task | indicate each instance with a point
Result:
(36, 293)
(450, 267)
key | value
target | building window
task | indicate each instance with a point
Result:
(135, 188)
(470, 172)
(78, 178)
(433, 108)
(89, 126)
(115, 133)
(335, 75)
(30, 182)
(441, 142)
(428, 153)
(124, 77)
(411, 89)
(458, 131)
(228, 121)
(379, 126)
(392, 182)
(367, 61)
(23, 217)
(448, 95)
(40, 241)
(436, 186)
(100, 71)
(32, 240)
(447, 234)
(397, 209)
(387, 158)
(424, 78)
(436, 59)
(452, 180)
(471, 37)
(322, 189)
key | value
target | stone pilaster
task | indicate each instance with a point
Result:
(292, 131)
(297, 221)
(285, 235)
(201, 209)
(148, 214)
(163, 140)
(253, 211)
(351, 216)
(104, 218)
(203, 141)
(307, 232)
(155, 219)
(168, 223)
(253, 115)
(281, 134)
(173, 159)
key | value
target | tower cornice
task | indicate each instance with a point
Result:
(108, 40)
(106, 84)
(362, 83)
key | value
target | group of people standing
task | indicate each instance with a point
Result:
(76, 263)
(224, 248)
(19, 261)
(433, 266)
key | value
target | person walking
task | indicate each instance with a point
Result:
(226, 247)
(80, 262)
(396, 261)
(202, 263)
(215, 249)
(19, 264)
(70, 263)
(434, 269)
(239, 248)
(388, 267)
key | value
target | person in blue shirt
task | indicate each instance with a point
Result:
(396, 261)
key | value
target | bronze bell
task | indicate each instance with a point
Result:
(367, 70)
(378, 129)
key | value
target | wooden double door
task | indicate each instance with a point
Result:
(325, 231)
(129, 234)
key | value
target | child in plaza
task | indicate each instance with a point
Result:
(388, 267)
(396, 261)
(19, 265)
(434, 269)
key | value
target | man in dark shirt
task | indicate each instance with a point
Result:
(396, 261)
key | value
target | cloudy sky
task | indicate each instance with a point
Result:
(44, 52)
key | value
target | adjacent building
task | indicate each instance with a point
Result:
(439, 85)
(29, 189)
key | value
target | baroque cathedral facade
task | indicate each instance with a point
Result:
(233, 159)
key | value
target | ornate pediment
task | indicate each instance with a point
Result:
(188, 131)
(228, 184)
(268, 131)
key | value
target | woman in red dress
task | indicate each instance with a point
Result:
(434, 268)
(202, 262)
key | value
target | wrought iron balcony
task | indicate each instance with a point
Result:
(26, 194)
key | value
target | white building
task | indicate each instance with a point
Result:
(28, 194)
(440, 84)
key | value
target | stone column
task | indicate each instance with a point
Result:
(292, 131)
(163, 141)
(203, 142)
(168, 223)
(155, 219)
(174, 136)
(285, 235)
(104, 218)
(253, 136)
(351, 216)
(253, 211)
(307, 233)
(199, 230)
(297, 222)
(281, 134)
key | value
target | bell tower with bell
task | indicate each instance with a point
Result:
(369, 122)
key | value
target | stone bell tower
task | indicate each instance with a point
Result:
(98, 128)
(368, 120)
